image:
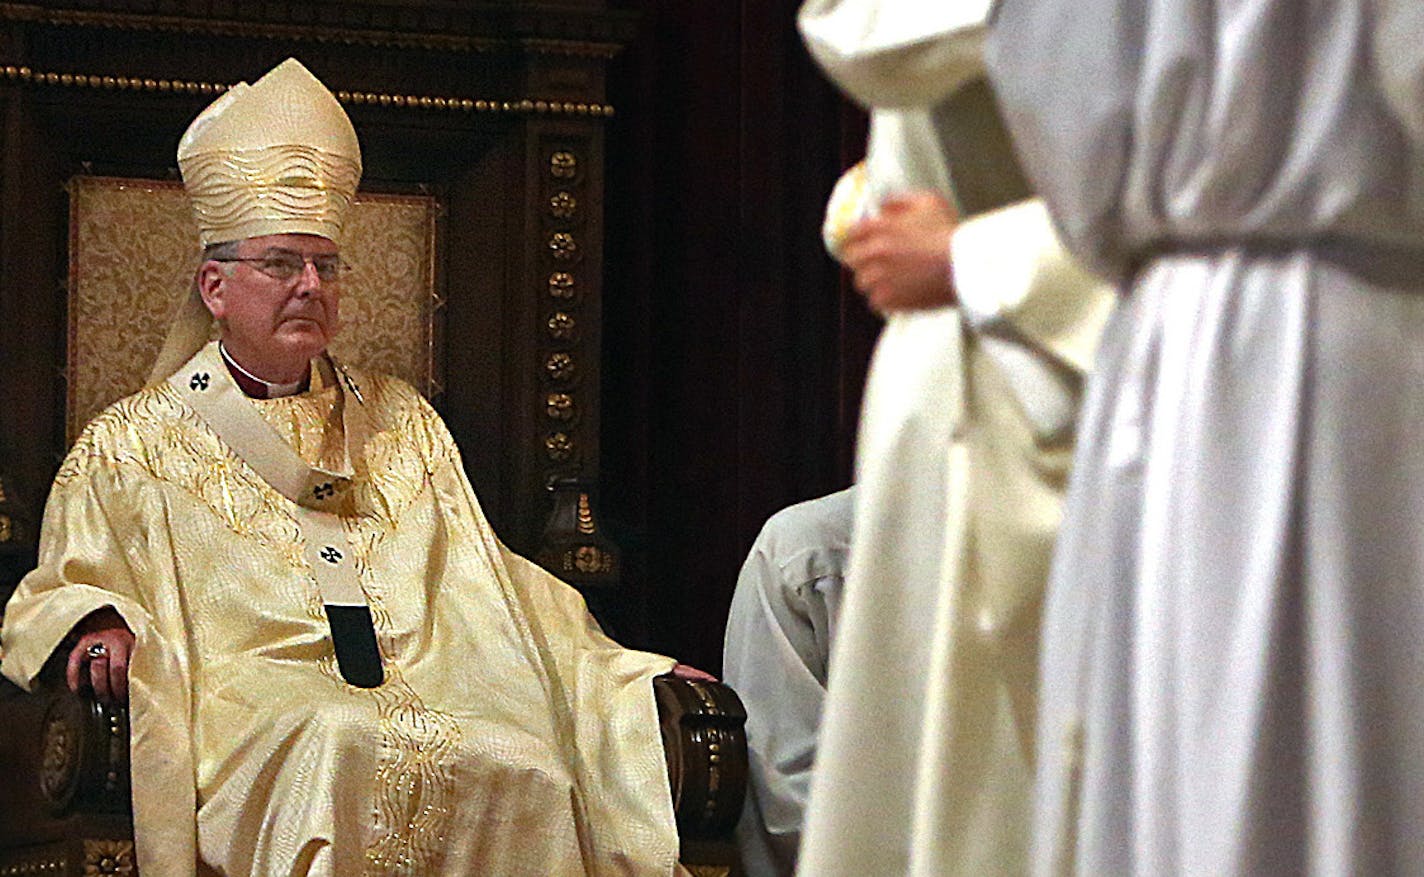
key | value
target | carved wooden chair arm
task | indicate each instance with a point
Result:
(704, 739)
(84, 754)
(85, 761)
(64, 800)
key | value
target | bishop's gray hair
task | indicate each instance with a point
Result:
(224, 250)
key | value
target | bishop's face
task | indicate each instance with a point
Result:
(273, 325)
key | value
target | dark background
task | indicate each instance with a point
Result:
(733, 352)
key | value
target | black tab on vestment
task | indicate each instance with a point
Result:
(354, 635)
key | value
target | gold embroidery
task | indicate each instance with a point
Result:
(153, 432)
(179, 449)
(414, 779)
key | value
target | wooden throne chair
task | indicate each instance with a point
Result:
(482, 129)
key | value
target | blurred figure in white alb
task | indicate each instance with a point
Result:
(1231, 653)
(925, 758)
(779, 634)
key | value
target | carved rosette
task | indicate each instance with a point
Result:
(560, 367)
(559, 406)
(562, 326)
(103, 857)
(591, 560)
(563, 165)
(559, 446)
(563, 205)
(564, 220)
(563, 247)
(562, 286)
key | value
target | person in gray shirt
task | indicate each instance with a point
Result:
(778, 642)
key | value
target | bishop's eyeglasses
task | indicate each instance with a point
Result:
(287, 264)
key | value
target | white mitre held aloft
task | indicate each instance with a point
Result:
(278, 156)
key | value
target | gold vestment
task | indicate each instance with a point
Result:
(510, 736)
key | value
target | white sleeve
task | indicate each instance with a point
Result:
(1037, 311)
(1010, 266)
(896, 53)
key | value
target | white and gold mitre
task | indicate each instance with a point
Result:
(275, 157)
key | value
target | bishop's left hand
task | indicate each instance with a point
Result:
(692, 674)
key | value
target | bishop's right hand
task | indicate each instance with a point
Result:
(99, 659)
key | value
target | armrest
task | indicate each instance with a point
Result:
(85, 766)
(73, 750)
(704, 739)
(64, 802)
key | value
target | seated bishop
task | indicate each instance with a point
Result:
(333, 665)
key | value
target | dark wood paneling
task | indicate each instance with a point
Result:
(32, 234)
(733, 356)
